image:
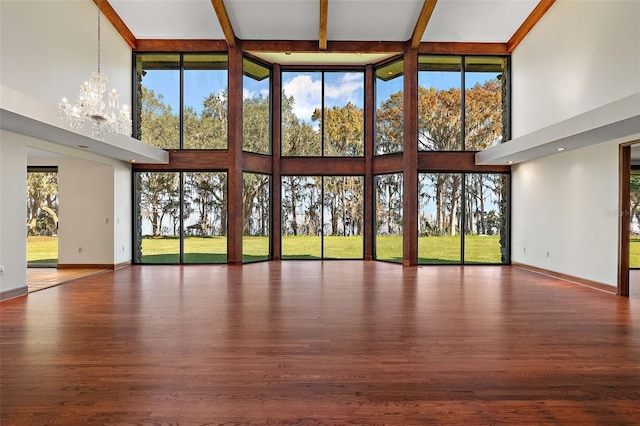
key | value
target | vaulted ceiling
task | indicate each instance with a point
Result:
(326, 26)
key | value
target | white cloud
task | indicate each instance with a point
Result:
(306, 95)
(349, 88)
(339, 89)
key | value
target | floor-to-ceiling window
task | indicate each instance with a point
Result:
(462, 212)
(340, 185)
(322, 217)
(462, 218)
(181, 215)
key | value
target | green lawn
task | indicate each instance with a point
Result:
(479, 249)
(42, 250)
(431, 250)
(634, 255)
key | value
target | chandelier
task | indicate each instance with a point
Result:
(91, 113)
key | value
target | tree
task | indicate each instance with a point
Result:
(208, 130)
(343, 130)
(255, 125)
(390, 125)
(299, 138)
(158, 196)
(483, 116)
(159, 126)
(42, 203)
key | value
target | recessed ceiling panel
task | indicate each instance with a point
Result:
(295, 58)
(372, 20)
(274, 19)
(169, 19)
(477, 20)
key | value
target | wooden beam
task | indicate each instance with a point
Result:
(324, 12)
(189, 159)
(462, 48)
(334, 166)
(423, 20)
(171, 45)
(536, 14)
(124, 31)
(225, 23)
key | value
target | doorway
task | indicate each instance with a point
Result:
(42, 217)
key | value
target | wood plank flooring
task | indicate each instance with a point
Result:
(41, 278)
(320, 343)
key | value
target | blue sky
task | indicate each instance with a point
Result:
(306, 87)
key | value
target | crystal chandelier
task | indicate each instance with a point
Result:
(91, 113)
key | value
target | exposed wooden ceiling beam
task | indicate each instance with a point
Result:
(324, 12)
(450, 48)
(108, 11)
(225, 23)
(423, 20)
(181, 45)
(536, 14)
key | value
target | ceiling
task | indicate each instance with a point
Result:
(435, 21)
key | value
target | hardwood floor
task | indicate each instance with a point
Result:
(41, 278)
(320, 343)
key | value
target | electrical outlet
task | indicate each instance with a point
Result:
(79, 249)
(1, 269)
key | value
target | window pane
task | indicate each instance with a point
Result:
(485, 239)
(439, 103)
(256, 131)
(158, 218)
(439, 198)
(301, 221)
(344, 114)
(485, 102)
(158, 100)
(205, 217)
(301, 113)
(389, 106)
(389, 217)
(205, 101)
(343, 217)
(256, 201)
(634, 237)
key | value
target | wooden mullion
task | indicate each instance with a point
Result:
(369, 150)
(276, 189)
(410, 160)
(234, 176)
(624, 221)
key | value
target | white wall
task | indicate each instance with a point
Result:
(85, 211)
(564, 213)
(13, 214)
(122, 213)
(580, 56)
(48, 48)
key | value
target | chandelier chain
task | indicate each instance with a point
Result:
(99, 40)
